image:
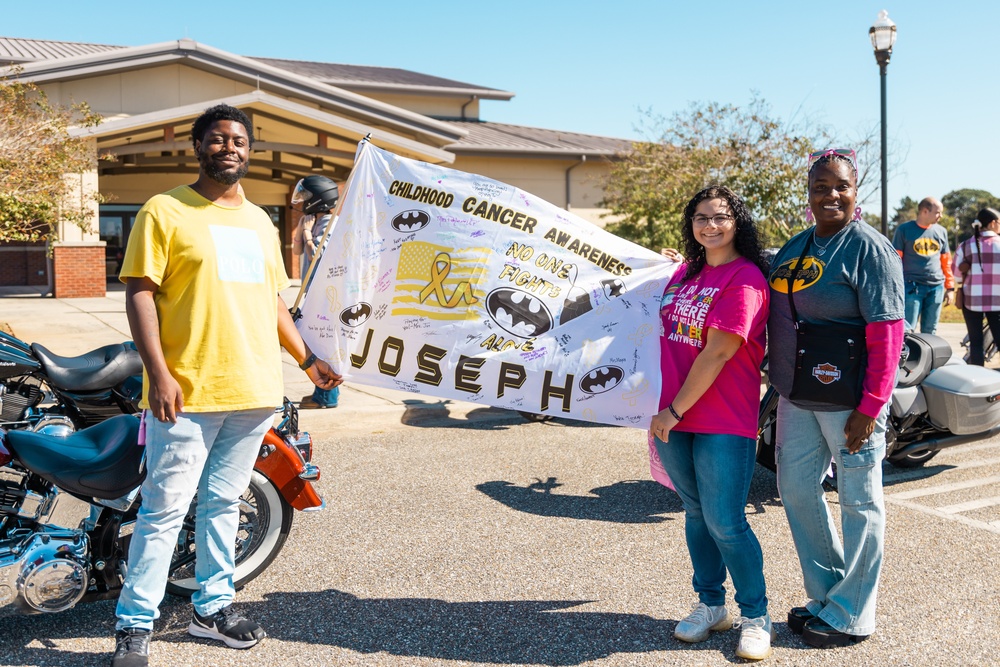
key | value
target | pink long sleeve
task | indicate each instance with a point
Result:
(884, 343)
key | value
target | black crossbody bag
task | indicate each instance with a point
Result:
(830, 359)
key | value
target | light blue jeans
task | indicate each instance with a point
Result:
(923, 301)
(212, 453)
(712, 476)
(841, 580)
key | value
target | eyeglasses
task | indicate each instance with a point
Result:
(720, 220)
(842, 152)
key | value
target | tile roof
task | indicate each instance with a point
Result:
(351, 75)
(486, 137)
(17, 50)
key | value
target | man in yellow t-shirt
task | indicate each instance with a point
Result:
(203, 270)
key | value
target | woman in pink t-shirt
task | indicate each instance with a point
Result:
(714, 315)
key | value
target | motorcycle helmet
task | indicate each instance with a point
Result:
(316, 194)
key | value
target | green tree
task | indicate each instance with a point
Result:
(760, 157)
(906, 211)
(37, 152)
(964, 204)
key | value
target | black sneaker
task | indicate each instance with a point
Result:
(228, 626)
(797, 618)
(131, 648)
(820, 634)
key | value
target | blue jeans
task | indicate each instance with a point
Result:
(841, 580)
(923, 301)
(327, 397)
(712, 476)
(212, 453)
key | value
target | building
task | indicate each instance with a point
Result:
(308, 118)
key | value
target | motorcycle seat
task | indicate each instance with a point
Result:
(925, 352)
(98, 369)
(102, 461)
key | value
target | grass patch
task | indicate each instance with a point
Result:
(951, 315)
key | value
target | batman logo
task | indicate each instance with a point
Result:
(356, 315)
(518, 313)
(577, 303)
(613, 287)
(808, 275)
(601, 379)
(410, 221)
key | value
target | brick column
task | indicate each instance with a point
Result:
(78, 270)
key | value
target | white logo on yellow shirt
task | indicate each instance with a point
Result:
(238, 254)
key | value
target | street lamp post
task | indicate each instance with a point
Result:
(883, 36)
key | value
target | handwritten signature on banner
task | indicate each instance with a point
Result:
(463, 287)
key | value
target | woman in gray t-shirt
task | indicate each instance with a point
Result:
(849, 275)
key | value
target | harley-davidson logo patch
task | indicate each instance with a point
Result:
(826, 373)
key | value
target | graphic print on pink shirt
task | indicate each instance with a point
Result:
(685, 321)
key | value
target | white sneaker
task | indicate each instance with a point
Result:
(702, 620)
(756, 635)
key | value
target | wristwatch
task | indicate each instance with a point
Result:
(309, 361)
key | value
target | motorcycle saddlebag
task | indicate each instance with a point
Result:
(964, 399)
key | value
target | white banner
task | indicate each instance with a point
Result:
(450, 284)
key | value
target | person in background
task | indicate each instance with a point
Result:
(298, 247)
(845, 273)
(923, 246)
(317, 198)
(714, 314)
(977, 261)
(203, 270)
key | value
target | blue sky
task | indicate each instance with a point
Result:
(592, 67)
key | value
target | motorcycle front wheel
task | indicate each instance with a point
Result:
(265, 520)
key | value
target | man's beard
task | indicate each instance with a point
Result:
(224, 176)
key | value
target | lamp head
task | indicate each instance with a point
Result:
(883, 32)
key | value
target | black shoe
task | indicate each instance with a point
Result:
(308, 403)
(821, 635)
(131, 648)
(227, 626)
(797, 618)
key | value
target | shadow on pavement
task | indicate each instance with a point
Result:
(34, 638)
(428, 414)
(505, 632)
(630, 501)
(437, 414)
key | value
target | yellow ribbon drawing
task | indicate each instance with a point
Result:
(440, 268)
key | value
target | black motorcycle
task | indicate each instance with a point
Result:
(69, 490)
(47, 392)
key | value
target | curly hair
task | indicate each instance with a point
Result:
(217, 113)
(747, 239)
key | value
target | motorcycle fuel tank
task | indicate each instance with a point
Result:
(14, 362)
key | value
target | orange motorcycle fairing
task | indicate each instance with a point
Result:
(282, 464)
